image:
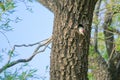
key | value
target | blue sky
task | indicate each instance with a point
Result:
(34, 27)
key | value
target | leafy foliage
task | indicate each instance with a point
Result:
(19, 74)
(111, 6)
(22, 72)
(6, 9)
(90, 76)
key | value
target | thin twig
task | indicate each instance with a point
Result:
(6, 38)
(111, 55)
(44, 43)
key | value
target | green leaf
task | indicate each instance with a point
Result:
(105, 56)
(9, 5)
(2, 6)
(10, 53)
(90, 76)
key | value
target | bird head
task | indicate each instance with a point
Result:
(81, 29)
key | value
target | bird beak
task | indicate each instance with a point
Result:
(81, 31)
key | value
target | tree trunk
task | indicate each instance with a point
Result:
(69, 55)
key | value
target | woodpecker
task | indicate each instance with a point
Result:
(81, 29)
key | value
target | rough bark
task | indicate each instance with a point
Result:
(49, 4)
(69, 55)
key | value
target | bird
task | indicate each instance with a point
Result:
(81, 29)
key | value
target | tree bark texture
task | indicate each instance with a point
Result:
(69, 55)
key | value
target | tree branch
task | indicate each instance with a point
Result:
(108, 32)
(111, 55)
(118, 69)
(43, 43)
(100, 59)
(6, 38)
(118, 66)
(96, 28)
(116, 31)
(49, 4)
